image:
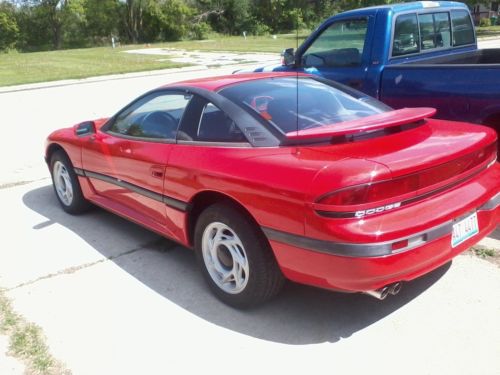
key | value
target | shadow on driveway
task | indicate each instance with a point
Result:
(299, 315)
(496, 234)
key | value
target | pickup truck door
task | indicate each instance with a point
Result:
(340, 51)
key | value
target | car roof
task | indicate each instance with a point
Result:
(404, 7)
(219, 82)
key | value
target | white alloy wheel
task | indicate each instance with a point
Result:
(62, 183)
(225, 258)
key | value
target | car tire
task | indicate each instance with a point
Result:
(235, 257)
(66, 185)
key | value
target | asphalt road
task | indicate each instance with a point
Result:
(113, 298)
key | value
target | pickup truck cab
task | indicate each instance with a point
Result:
(419, 54)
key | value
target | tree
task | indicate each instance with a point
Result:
(101, 18)
(34, 29)
(134, 10)
(9, 31)
(52, 11)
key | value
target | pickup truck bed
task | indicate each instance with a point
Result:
(459, 86)
(468, 60)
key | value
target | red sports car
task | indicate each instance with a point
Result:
(283, 176)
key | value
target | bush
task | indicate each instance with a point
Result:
(200, 31)
(175, 19)
(485, 22)
(9, 32)
(261, 29)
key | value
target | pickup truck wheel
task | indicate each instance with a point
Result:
(66, 185)
(235, 257)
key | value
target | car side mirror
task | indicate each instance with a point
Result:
(85, 128)
(288, 57)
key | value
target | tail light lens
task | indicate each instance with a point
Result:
(400, 186)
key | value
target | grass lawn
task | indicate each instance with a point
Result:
(18, 68)
(239, 44)
(488, 31)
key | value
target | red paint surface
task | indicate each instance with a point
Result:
(279, 187)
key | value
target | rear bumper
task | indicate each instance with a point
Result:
(321, 267)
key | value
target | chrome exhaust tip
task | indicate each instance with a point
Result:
(380, 294)
(395, 288)
(383, 292)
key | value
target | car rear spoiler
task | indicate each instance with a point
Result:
(364, 124)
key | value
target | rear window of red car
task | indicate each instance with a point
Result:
(291, 103)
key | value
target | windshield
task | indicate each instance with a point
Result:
(292, 104)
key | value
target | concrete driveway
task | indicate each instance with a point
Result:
(113, 298)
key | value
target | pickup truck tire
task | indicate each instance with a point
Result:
(235, 257)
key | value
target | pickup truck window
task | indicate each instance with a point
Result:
(406, 35)
(431, 31)
(340, 45)
(463, 32)
(435, 30)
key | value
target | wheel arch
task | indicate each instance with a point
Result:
(51, 149)
(206, 198)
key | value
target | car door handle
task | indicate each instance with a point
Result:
(157, 171)
(125, 150)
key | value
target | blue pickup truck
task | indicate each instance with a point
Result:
(407, 55)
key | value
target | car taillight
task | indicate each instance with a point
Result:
(369, 193)
(412, 183)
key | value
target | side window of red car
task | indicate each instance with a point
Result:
(156, 116)
(205, 122)
(216, 126)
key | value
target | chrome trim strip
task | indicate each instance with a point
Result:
(169, 201)
(79, 172)
(492, 204)
(328, 247)
(377, 249)
(227, 144)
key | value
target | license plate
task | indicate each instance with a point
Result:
(464, 229)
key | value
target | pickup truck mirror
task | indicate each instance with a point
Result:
(288, 57)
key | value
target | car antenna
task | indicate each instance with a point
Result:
(296, 68)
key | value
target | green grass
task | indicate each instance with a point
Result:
(239, 44)
(18, 68)
(489, 31)
(27, 341)
(483, 252)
